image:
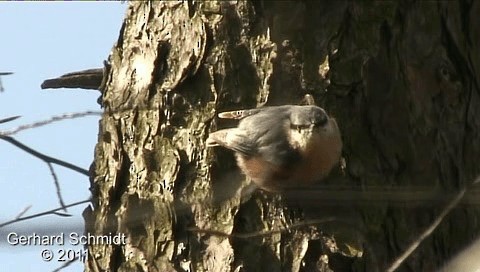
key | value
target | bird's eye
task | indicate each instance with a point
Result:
(320, 122)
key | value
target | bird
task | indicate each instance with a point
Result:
(281, 147)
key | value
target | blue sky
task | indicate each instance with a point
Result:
(40, 41)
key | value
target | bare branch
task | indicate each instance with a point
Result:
(48, 160)
(57, 185)
(67, 264)
(3, 74)
(48, 121)
(22, 212)
(43, 157)
(54, 211)
(86, 79)
(8, 119)
(453, 203)
(62, 214)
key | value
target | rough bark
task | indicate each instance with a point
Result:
(401, 78)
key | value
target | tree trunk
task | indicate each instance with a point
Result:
(401, 78)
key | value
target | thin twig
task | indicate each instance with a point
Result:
(57, 185)
(427, 232)
(43, 157)
(8, 119)
(3, 74)
(62, 214)
(67, 264)
(22, 212)
(43, 213)
(49, 121)
(46, 159)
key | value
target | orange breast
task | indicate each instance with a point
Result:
(317, 160)
(265, 175)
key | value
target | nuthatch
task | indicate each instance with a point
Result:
(282, 146)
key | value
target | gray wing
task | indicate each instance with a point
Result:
(268, 130)
(261, 131)
(234, 139)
